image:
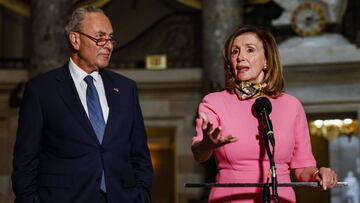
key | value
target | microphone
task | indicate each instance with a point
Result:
(263, 109)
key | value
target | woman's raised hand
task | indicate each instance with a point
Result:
(211, 135)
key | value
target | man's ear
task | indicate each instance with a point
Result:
(74, 40)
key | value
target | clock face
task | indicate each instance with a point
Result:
(308, 19)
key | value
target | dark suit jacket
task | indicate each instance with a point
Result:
(57, 156)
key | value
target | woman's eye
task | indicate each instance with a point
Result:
(250, 50)
(235, 51)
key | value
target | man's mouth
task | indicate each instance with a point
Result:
(106, 55)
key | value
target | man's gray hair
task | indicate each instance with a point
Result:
(77, 18)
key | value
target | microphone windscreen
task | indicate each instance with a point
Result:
(262, 103)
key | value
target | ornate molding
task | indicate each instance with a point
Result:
(323, 73)
(23, 8)
(169, 80)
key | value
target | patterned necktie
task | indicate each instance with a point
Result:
(96, 116)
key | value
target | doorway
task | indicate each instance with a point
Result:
(161, 141)
(335, 144)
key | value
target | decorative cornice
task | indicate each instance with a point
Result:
(23, 9)
(198, 5)
(324, 73)
(179, 79)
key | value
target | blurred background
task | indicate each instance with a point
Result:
(173, 50)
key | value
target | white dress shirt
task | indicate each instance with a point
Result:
(78, 76)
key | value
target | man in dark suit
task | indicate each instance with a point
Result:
(81, 136)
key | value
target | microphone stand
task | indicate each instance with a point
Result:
(268, 136)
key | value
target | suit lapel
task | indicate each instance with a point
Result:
(113, 93)
(69, 95)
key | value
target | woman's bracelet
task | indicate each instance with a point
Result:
(317, 172)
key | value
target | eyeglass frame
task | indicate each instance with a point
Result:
(113, 41)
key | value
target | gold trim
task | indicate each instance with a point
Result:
(257, 1)
(198, 5)
(191, 3)
(95, 3)
(308, 31)
(17, 7)
(155, 61)
(333, 128)
(155, 146)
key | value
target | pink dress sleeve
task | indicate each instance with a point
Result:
(302, 154)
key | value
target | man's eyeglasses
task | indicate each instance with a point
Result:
(101, 41)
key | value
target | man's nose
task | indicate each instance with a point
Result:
(109, 44)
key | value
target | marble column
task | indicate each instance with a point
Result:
(49, 45)
(220, 18)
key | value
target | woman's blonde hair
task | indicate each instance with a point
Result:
(273, 74)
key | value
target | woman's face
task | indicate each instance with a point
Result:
(248, 58)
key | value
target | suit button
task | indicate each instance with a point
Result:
(101, 149)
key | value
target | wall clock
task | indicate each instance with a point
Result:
(308, 19)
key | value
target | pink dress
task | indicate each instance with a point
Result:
(246, 161)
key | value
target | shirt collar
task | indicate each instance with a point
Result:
(79, 74)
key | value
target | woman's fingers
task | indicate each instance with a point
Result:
(332, 179)
(217, 140)
(328, 178)
(204, 119)
(209, 128)
(212, 135)
(215, 134)
(206, 125)
(227, 139)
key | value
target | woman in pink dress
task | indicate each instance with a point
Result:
(228, 128)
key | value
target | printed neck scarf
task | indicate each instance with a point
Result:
(248, 90)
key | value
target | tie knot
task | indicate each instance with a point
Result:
(89, 80)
